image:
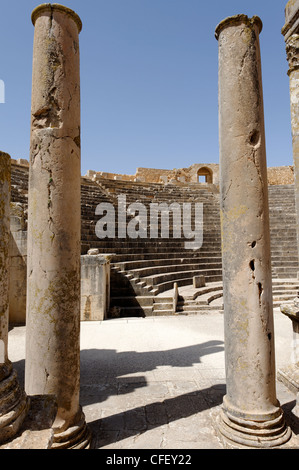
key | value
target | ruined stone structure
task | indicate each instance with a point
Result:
(13, 400)
(209, 172)
(95, 286)
(243, 251)
(53, 253)
(290, 31)
(143, 271)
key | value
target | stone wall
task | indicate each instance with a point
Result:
(164, 176)
(281, 175)
(95, 286)
(112, 176)
(18, 264)
(276, 175)
(154, 175)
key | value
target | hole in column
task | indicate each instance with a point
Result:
(251, 264)
(254, 137)
(260, 288)
(253, 244)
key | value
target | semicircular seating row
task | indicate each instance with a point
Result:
(143, 270)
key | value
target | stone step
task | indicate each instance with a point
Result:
(283, 293)
(162, 306)
(135, 311)
(129, 253)
(132, 301)
(131, 265)
(151, 271)
(172, 276)
(144, 256)
(168, 285)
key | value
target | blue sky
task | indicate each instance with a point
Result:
(149, 81)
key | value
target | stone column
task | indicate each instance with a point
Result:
(290, 374)
(54, 239)
(291, 35)
(13, 401)
(251, 414)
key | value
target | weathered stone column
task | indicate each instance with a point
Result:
(291, 35)
(251, 414)
(13, 400)
(290, 374)
(54, 239)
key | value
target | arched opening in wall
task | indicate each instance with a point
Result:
(205, 175)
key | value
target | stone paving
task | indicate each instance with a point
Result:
(158, 382)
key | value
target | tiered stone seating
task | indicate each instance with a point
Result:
(91, 195)
(19, 184)
(284, 257)
(145, 270)
(283, 231)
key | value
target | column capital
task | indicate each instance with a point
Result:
(51, 7)
(291, 19)
(236, 20)
(292, 51)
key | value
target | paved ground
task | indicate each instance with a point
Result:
(158, 382)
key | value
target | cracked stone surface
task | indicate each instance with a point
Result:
(246, 257)
(54, 217)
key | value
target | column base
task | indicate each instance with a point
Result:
(75, 437)
(239, 432)
(14, 404)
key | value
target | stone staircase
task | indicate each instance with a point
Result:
(143, 271)
(285, 284)
(144, 268)
(210, 298)
(19, 184)
(282, 212)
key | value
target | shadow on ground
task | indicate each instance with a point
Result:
(127, 424)
(98, 365)
(105, 373)
(102, 376)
